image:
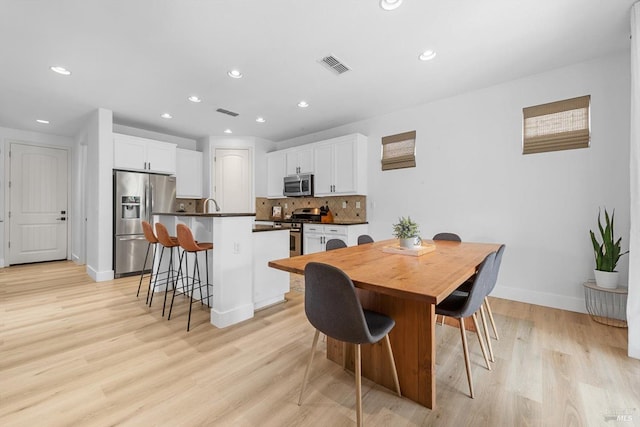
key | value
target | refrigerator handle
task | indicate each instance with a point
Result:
(149, 200)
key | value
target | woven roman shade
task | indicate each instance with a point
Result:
(560, 125)
(398, 151)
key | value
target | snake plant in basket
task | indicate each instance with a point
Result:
(607, 253)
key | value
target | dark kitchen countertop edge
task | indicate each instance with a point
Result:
(288, 221)
(205, 215)
(259, 228)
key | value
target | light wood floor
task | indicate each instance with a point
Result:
(79, 353)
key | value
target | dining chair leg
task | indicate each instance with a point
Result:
(465, 350)
(358, 386)
(393, 364)
(480, 340)
(493, 323)
(306, 372)
(486, 332)
(344, 355)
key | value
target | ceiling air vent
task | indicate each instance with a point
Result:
(227, 112)
(334, 64)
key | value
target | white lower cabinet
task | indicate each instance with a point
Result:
(316, 235)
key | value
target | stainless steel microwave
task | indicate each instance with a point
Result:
(298, 185)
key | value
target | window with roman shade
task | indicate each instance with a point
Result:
(560, 125)
(399, 151)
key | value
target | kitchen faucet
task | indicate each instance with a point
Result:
(210, 199)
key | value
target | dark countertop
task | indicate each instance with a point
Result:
(205, 215)
(257, 228)
(338, 222)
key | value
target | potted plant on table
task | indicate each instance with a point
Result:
(607, 253)
(407, 232)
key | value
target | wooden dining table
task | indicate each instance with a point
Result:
(406, 288)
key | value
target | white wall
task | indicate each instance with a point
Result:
(7, 136)
(99, 195)
(472, 179)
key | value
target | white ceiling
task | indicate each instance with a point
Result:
(141, 58)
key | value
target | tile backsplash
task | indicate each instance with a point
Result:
(343, 208)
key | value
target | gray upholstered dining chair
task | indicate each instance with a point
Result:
(335, 244)
(466, 287)
(460, 305)
(364, 239)
(332, 307)
(453, 237)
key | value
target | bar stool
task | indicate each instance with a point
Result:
(152, 240)
(189, 245)
(170, 243)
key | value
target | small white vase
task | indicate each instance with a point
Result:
(411, 242)
(606, 279)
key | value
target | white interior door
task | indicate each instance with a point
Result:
(38, 204)
(233, 180)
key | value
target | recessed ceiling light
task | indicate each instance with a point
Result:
(427, 55)
(166, 116)
(303, 104)
(195, 99)
(235, 74)
(260, 120)
(61, 70)
(390, 4)
(227, 131)
(44, 122)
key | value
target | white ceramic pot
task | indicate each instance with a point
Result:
(411, 242)
(606, 279)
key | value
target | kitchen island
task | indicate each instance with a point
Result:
(233, 262)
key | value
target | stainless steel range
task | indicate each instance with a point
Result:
(298, 217)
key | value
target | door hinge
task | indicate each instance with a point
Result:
(9, 153)
(9, 243)
(9, 184)
(9, 214)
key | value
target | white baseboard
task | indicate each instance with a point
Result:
(230, 317)
(1, 262)
(99, 276)
(268, 302)
(541, 298)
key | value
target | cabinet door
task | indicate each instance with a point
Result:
(299, 160)
(323, 160)
(129, 153)
(275, 174)
(291, 159)
(312, 243)
(305, 160)
(344, 167)
(161, 157)
(188, 174)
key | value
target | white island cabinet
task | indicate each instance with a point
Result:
(240, 278)
(230, 261)
(269, 284)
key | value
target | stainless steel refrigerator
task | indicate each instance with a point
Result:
(135, 197)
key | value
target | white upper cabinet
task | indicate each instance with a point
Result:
(276, 171)
(299, 160)
(340, 166)
(141, 154)
(188, 174)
